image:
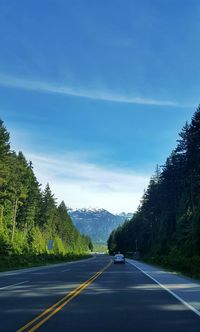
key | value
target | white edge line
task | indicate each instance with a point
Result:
(169, 291)
(66, 270)
(19, 283)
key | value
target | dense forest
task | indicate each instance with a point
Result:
(166, 227)
(30, 217)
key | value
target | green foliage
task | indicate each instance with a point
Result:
(166, 225)
(37, 241)
(59, 247)
(20, 243)
(4, 140)
(30, 217)
(99, 247)
(5, 245)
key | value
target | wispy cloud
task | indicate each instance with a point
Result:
(21, 83)
(83, 184)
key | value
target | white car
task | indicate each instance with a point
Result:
(119, 258)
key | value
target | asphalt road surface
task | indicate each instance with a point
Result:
(93, 295)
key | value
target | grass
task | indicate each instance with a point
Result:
(14, 262)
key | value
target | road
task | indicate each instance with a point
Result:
(118, 298)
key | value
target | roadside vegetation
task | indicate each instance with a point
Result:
(33, 228)
(100, 247)
(166, 227)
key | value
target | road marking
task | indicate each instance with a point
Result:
(66, 270)
(189, 306)
(19, 283)
(52, 310)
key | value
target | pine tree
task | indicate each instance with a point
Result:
(47, 212)
(4, 162)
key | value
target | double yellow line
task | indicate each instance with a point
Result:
(35, 323)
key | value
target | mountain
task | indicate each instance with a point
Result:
(97, 223)
(126, 216)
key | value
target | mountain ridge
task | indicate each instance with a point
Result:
(98, 223)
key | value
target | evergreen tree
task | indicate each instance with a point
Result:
(47, 213)
(29, 217)
(168, 218)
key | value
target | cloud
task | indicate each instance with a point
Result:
(9, 81)
(82, 184)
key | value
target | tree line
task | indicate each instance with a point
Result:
(166, 225)
(29, 216)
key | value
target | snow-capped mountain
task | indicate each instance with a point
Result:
(97, 223)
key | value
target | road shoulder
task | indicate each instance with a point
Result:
(182, 288)
(41, 267)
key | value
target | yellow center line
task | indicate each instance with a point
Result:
(51, 307)
(52, 310)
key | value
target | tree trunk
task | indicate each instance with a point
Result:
(14, 219)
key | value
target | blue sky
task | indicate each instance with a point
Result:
(95, 92)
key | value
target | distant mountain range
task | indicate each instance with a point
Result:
(97, 223)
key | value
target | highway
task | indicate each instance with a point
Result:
(93, 295)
